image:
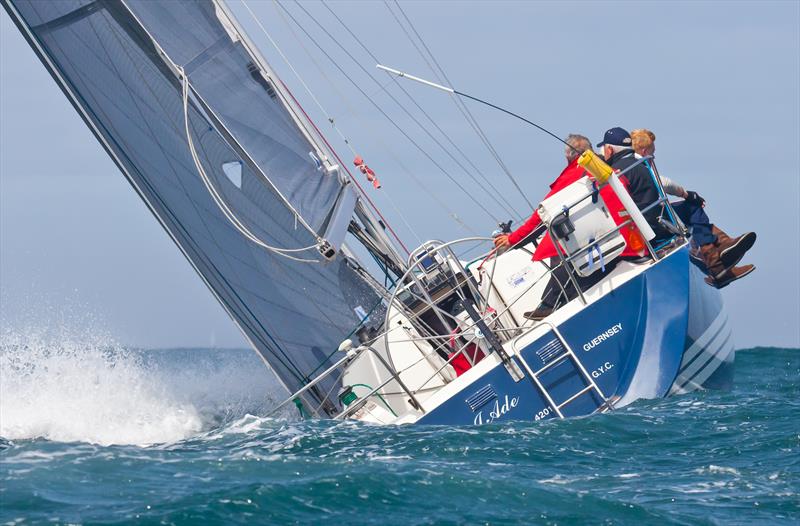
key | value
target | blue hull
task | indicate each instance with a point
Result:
(708, 360)
(662, 332)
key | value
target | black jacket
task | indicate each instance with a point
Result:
(641, 186)
(640, 183)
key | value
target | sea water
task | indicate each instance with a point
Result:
(94, 433)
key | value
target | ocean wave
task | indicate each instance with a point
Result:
(654, 462)
(88, 388)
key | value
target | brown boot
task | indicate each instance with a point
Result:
(541, 312)
(732, 250)
(730, 276)
(709, 253)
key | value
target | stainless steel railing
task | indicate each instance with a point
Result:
(436, 260)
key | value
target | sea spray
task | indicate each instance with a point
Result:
(87, 388)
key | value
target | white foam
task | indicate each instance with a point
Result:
(86, 391)
(718, 470)
(560, 479)
(89, 389)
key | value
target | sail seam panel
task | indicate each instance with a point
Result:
(178, 224)
(73, 96)
(232, 299)
(134, 98)
(133, 122)
(225, 128)
(252, 50)
(223, 206)
(72, 17)
(218, 123)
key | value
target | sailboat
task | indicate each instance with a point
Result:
(273, 222)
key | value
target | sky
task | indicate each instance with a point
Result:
(719, 84)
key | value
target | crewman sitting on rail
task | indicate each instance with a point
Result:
(559, 289)
(719, 252)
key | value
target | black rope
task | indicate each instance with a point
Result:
(508, 207)
(377, 106)
(520, 117)
(470, 118)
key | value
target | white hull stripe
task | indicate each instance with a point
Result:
(706, 364)
(705, 358)
(696, 382)
(716, 361)
(689, 369)
(704, 340)
(690, 365)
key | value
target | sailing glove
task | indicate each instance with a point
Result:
(694, 198)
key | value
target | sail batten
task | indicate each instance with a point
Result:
(294, 314)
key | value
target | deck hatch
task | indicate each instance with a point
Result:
(480, 397)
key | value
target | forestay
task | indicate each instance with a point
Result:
(120, 63)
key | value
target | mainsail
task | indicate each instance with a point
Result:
(198, 124)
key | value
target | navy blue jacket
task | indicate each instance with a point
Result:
(641, 186)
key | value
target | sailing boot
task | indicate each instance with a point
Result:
(539, 313)
(709, 253)
(697, 259)
(732, 250)
(730, 276)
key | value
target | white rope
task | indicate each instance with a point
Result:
(219, 201)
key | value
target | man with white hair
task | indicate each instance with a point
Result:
(560, 288)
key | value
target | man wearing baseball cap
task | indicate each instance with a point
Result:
(718, 252)
(619, 154)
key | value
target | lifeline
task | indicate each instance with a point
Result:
(603, 336)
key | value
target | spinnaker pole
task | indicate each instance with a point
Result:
(454, 91)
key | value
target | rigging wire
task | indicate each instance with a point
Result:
(377, 106)
(430, 66)
(440, 74)
(452, 214)
(441, 77)
(385, 147)
(442, 205)
(505, 204)
(341, 163)
(404, 109)
(332, 121)
(520, 117)
(217, 198)
(463, 107)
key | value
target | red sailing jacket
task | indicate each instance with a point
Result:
(572, 173)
